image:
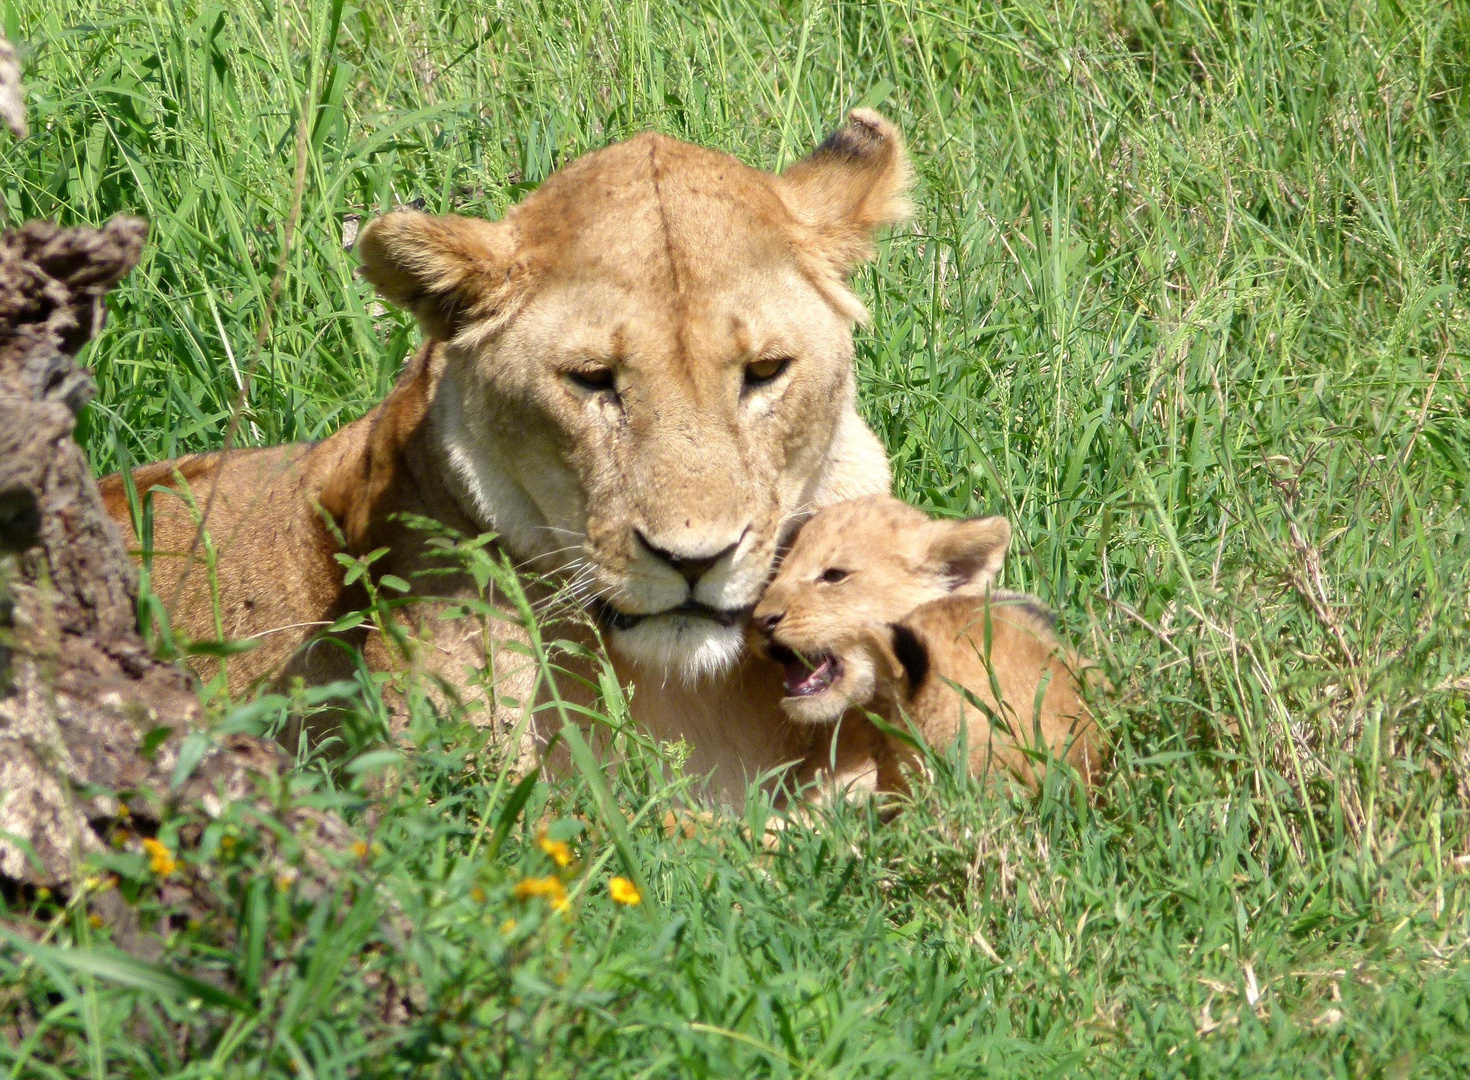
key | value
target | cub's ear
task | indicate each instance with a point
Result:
(911, 654)
(848, 187)
(968, 554)
(450, 272)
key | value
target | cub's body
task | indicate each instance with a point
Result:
(1020, 703)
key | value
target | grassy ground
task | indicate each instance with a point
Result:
(1184, 298)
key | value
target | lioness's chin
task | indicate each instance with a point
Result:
(825, 707)
(682, 646)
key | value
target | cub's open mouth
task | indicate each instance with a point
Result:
(621, 620)
(806, 675)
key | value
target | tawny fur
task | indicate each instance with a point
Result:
(666, 269)
(1038, 714)
(902, 607)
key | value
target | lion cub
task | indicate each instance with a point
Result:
(878, 606)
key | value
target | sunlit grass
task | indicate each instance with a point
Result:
(1183, 299)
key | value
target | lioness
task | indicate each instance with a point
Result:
(876, 606)
(640, 379)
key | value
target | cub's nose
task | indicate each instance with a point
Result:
(691, 566)
(766, 624)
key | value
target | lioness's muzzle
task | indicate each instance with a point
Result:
(621, 620)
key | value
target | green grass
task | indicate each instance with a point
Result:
(1185, 298)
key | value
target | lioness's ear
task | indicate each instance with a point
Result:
(968, 554)
(848, 187)
(450, 272)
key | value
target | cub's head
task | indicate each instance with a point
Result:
(643, 374)
(855, 568)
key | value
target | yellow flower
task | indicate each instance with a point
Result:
(549, 887)
(160, 858)
(559, 850)
(624, 892)
(360, 849)
(477, 894)
(539, 886)
(508, 927)
(43, 893)
(96, 921)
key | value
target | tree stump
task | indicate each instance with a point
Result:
(88, 718)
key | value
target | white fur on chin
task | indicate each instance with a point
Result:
(824, 708)
(688, 647)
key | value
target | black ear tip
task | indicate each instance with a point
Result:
(865, 135)
(867, 125)
(912, 655)
(1040, 611)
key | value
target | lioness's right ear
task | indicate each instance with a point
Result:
(968, 554)
(449, 272)
(848, 187)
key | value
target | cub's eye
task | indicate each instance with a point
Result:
(592, 379)
(763, 372)
(832, 576)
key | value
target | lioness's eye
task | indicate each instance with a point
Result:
(832, 576)
(762, 372)
(592, 379)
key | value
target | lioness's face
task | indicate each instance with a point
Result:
(854, 569)
(648, 370)
(668, 441)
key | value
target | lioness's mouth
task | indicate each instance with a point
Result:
(806, 675)
(621, 620)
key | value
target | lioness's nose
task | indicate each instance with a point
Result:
(691, 566)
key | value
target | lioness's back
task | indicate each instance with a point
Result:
(263, 557)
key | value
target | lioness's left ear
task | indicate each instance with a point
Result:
(848, 187)
(449, 272)
(968, 554)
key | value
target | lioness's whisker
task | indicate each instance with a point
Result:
(804, 510)
(558, 529)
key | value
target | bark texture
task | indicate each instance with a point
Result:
(87, 717)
